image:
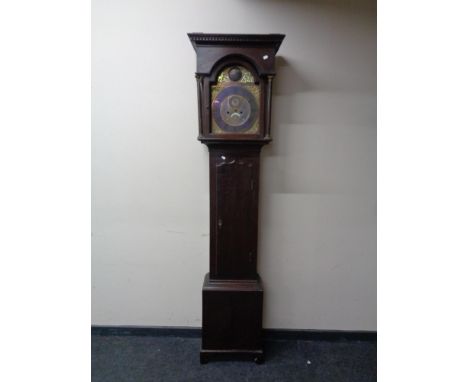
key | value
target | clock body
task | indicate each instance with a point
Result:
(234, 84)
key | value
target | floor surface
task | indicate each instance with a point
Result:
(144, 359)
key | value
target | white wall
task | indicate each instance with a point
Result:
(317, 251)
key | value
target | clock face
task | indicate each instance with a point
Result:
(235, 109)
(235, 100)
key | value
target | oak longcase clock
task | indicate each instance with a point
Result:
(234, 80)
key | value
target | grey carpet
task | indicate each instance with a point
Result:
(145, 359)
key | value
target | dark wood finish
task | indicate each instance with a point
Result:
(234, 173)
(232, 316)
(212, 48)
(232, 291)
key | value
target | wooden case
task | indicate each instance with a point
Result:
(232, 291)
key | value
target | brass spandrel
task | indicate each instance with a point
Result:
(247, 76)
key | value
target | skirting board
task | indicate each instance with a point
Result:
(268, 334)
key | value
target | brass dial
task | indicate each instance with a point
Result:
(235, 102)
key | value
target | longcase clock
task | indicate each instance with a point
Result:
(234, 81)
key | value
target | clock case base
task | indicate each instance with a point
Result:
(232, 319)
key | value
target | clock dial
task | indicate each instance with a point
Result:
(235, 109)
(235, 102)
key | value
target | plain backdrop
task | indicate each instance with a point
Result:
(317, 223)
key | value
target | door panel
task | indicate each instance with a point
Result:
(235, 215)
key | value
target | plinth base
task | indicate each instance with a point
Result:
(232, 319)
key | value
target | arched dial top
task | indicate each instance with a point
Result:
(235, 102)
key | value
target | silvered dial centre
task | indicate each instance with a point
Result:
(235, 110)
